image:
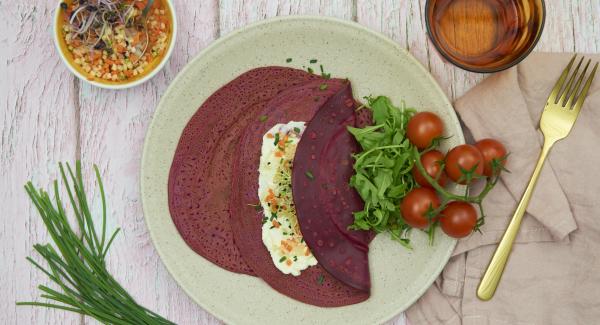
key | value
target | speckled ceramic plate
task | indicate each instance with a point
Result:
(375, 65)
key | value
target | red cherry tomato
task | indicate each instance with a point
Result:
(458, 219)
(415, 205)
(491, 149)
(464, 157)
(423, 128)
(431, 161)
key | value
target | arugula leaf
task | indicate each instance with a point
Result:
(379, 216)
(380, 109)
(366, 189)
(382, 181)
(367, 137)
(382, 171)
(388, 205)
(397, 138)
(360, 221)
(397, 191)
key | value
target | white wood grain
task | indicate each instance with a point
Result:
(237, 13)
(47, 117)
(571, 26)
(38, 122)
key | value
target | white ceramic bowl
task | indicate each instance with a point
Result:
(57, 35)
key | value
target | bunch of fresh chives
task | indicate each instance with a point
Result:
(76, 262)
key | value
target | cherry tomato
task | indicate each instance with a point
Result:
(431, 161)
(415, 205)
(458, 219)
(463, 157)
(491, 149)
(423, 128)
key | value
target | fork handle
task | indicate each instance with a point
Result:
(491, 278)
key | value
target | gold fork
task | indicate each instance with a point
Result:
(560, 113)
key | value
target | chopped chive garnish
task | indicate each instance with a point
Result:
(323, 74)
(282, 259)
(323, 87)
(295, 258)
(276, 138)
(309, 175)
(310, 70)
(297, 130)
(288, 60)
(320, 279)
(263, 118)
(313, 60)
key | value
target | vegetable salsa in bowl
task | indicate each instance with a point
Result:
(115, 43)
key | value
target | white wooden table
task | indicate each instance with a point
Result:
(48, 115)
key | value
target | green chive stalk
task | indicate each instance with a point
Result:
(76, 263)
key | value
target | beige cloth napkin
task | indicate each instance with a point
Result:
(553, 274)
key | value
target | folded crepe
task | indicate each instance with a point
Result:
(213, 182)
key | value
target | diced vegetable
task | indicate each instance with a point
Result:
(115, 40)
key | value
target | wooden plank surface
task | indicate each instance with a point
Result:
(48, 116)
(39, 128)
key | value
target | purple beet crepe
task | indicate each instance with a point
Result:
(324, 201)
(201, 172)
(314, 285)
(213, 183)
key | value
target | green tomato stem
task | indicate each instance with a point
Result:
(446, 195)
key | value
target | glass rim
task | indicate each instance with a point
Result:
(503, 67)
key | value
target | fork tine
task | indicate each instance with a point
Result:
(567, 89)
(561, 80)
(575, 89)
(584, 92)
